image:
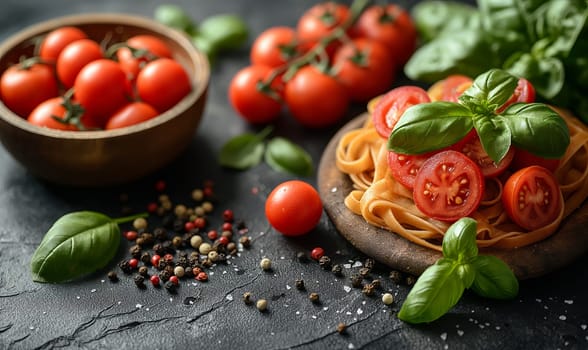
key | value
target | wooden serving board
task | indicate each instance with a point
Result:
(560, 249)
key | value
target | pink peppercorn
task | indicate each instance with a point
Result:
(155, 260)
(152, 207)
(174, 279)
(131, 235)
(202, 276)
(228, 215)
(133, 263)
(317, 253)
(199, 223)
(227, 226)
(154, 280)
(189, 226)
(223, 240)
(160, 186)
(212, 235)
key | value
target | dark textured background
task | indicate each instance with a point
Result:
(551, 312)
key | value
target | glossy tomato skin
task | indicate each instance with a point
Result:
(315, 99)
(532, 198)
(472, 147)
(56, 40)
(43, 114)
(163, 83)
(133, 113)
(448, 186)
(450, 88)
(22, 89)
(253, 105)
(365, 67)
(274, 47)
(524, 92)
(404, 167)
(319, 21)
(293, 208)
(392, 105)
(74, 57)
(524, 158)
(131, 64)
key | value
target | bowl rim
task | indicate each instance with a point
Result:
(200, 80)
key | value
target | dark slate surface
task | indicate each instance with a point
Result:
(551, 312)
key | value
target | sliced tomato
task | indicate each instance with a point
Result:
(524, 158)
(472, 147)
(532, 198)
(448, 186)
(524, 92)
(404, 167)
(392, 105)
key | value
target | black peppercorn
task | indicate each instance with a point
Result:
(410, 280)
(221, 258)
(247, 298)
(161, 265)
(396, 276)
(245, 241)
(368, 289)
(112, 276)
(158, 249)
(194, 261)
(145, 258)
(170, 287)
(140, 241)
(139, 281)
(178, 225)
(144, 271)
(337, 270)
(207, 262)
(148, 238)
(369, 263)
(325, 262)
(177, 242)
(169, 268)
(341, 328)
(302, 257)
(376, 283)
(125, 266)
(299, 284)
(356, 280)
(136, 251)
(168, 247)
(164, 275)
(182, 261)
(313, 297)
(364, 272)
(232, 248)
(160, 234)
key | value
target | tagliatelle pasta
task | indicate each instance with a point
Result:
(385, 203)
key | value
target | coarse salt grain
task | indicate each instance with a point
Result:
(229, 297)
(347, 289)
(569, 302)
(93, 290)
(357, 264)
(334, 189)
(359, 311)
(350, 346)
(138, 306)
(347, 266)
(562, 317)
(444, 336)
(460, 332)
(583, 326)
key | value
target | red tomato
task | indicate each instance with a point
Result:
(147, 48)
(393, 26)
(163, 83)
(365, 67)
(531, 197)
(448, 186)
(274, 47)
(131, 114)
(319, 21)
(404, 167)
(392, 105)
(524, 92)
(450, 88)
(315, 99)
(524, 158)
(293, 208)
(74, 57)
(101, 88)
(23, 87)
(472, 147)
(255, 106)
(57, 39)
(45, 113)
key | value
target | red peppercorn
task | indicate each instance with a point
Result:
(174, 279)
(168, 258)
(152, 207)
(223, 240)
(160, 186)
(133, 263)
(207, 191)
(154, 280)
(202, 277)
(131, 235)
(212, 235)
(155, 260)
(196, 271)
(317, 253)
(228, 215)
(189, 226)
(199, 223)
(227, 226)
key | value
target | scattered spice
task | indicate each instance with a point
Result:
(325, 262)
(341, 328)
(299, 284)
(261, 305)
(265, 264)
(245, 241)
(140, 223)
(356, 280)
(112, 276)
(396, 276)
(144, 271)
(313, 297)
(387, 298)
(248, 298)
(317, 253)
(302, 257)
(410, 280)
(337, 270)
(368, 289)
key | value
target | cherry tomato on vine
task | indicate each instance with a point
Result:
(274, 47)
(293, 208)
(145, 48)
(450, 88)
(524, 92)
(74, 57)
(57, 39)
(319, 21)
(524, 158)
(472, 147)
(163, 83)
(392, 105)
(254, 100)
(532, 198)
(315, 99)
(24, 86)
(365, 67)
(44, 115)
(448, 186)
(404, 167)
(131, 114)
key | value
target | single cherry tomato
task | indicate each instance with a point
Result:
(100, 88)
(251, 96)
(74, 57)
(45, 115)
(57, 39)
(450, 88)
(448, 186)
(404, 167)
(365, 67)
(274, 47)
(293, 208)
(315, 99)
(524, 92)
(472, 147)
(131, 114)
(145, 48)
(163, 83)
(532, 198)
(24, 86)
(393, 26)
(524, 158)
(392, 105)
(319, 21)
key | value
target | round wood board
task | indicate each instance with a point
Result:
(560, 249)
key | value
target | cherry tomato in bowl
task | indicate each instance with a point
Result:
(162, 83)
(57, 39)
(133, 113)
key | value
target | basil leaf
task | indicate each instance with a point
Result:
(432, 18)
(224, 31)
(459, 242)
(243, 151)
(430, 126)
(174, 16)
(494, 135)
(547, 74)
(78, 243)
(436, 291)
(489, 91)
(494, 279)
(285, 156)
(529, 122)
(466, 273)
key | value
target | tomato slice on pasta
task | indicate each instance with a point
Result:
(471, 146)
(392, 105)
(404, 167)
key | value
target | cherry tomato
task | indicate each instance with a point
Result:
(74, 57)
(100, 88)
(365, 67)
(255, 102)
(131, 114)
(274, 47)
(450, 88)
(163, 83)
(524, 92)
(293, 208)
(319, 21)
(23, 87)
(524, 158)
(531, 197)
(315, 99)
(448, 186)
(404, 167)
(472, 147)
(392, 105)
(148, 48)
(393, 26)
(57, 39)
(44, 115)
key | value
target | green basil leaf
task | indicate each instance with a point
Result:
(489, 91)
(529, 122)
(430, 126)
(436, 291)
(244, 151)
(494, 279)
(285, 156)
(174, 16)
(466, 273)
(494, 135)
(547, 74)
(432, 18)
(459, 242)
(224, 31)
(78, 243)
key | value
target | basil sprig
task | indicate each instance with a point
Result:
(77, 244)
(442, 284)
(531, 126)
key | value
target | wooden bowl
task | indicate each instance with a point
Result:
(102, 158)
